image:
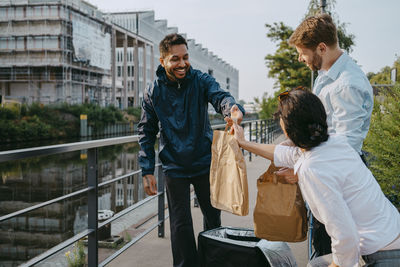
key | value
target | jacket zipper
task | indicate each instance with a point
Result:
(179, 85)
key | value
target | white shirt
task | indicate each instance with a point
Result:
(347, 96)
(343, 194)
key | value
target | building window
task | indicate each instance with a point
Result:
(210, 72)
(119, 71)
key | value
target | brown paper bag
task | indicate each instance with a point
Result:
(280, 213)
(228, 176)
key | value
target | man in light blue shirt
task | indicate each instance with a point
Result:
(348, 99)
(341, 86)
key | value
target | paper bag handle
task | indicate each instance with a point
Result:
(269, 175)
(226, 128)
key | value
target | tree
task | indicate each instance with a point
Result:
(283, 64)
(383, 143)
(268, 106)
(383, 77)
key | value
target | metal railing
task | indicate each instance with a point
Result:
(263, 131)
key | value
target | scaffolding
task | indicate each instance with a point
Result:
(37, 57)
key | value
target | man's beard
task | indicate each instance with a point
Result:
(316, 63)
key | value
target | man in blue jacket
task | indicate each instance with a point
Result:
(176, 106)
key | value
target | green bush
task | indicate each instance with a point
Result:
(38, 122)
(8, 114)
(383, 143)
(134, 111)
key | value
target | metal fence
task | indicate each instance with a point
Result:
(263, 131)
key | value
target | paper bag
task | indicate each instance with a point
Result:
(228, 176)
(280, 213)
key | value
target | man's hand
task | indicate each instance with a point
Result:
(288, 175)
(150, 184)
(236, 116)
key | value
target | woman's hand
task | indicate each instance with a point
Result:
(236, 116)
(238, 133)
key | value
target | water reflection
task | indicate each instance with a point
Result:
(27, 182)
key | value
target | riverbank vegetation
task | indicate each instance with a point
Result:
(40, 122)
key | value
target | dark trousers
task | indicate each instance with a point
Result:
(321, 239)
(183, 242)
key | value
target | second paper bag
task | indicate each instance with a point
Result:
(280, 213)
(228, 176)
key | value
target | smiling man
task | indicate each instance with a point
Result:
(176, 105)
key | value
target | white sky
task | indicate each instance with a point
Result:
(234, 30)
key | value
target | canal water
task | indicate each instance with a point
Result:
(31, 181)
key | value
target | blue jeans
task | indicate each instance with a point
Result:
(385, 258)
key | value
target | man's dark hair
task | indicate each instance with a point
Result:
(304, 118)
(170, 40)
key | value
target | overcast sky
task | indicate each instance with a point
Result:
(234, 30)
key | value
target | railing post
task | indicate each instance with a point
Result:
(256, 131)
(161, 197)
(265, 130)
(264, 134)
(92, 208)
(250, 139)
(269, 132)
(161, 203)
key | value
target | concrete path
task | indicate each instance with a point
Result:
(152, 251)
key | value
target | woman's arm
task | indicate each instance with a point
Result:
(263, 150)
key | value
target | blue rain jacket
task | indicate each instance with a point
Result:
(178, 110)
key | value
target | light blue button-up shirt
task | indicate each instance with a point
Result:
(348, 100)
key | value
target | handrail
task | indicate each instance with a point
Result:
(44, 204)
(264, 131)
(63, 148)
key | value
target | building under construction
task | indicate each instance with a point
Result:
(57, 51)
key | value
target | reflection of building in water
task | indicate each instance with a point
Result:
(39, 180)
(130, 190)
(25, 236)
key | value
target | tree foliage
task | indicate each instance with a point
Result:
(383, 76)
(383, 143)
(283, 65)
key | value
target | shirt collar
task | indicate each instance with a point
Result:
(336, 68)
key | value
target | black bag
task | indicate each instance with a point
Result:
(239, 247)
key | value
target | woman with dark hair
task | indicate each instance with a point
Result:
(339, 189)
